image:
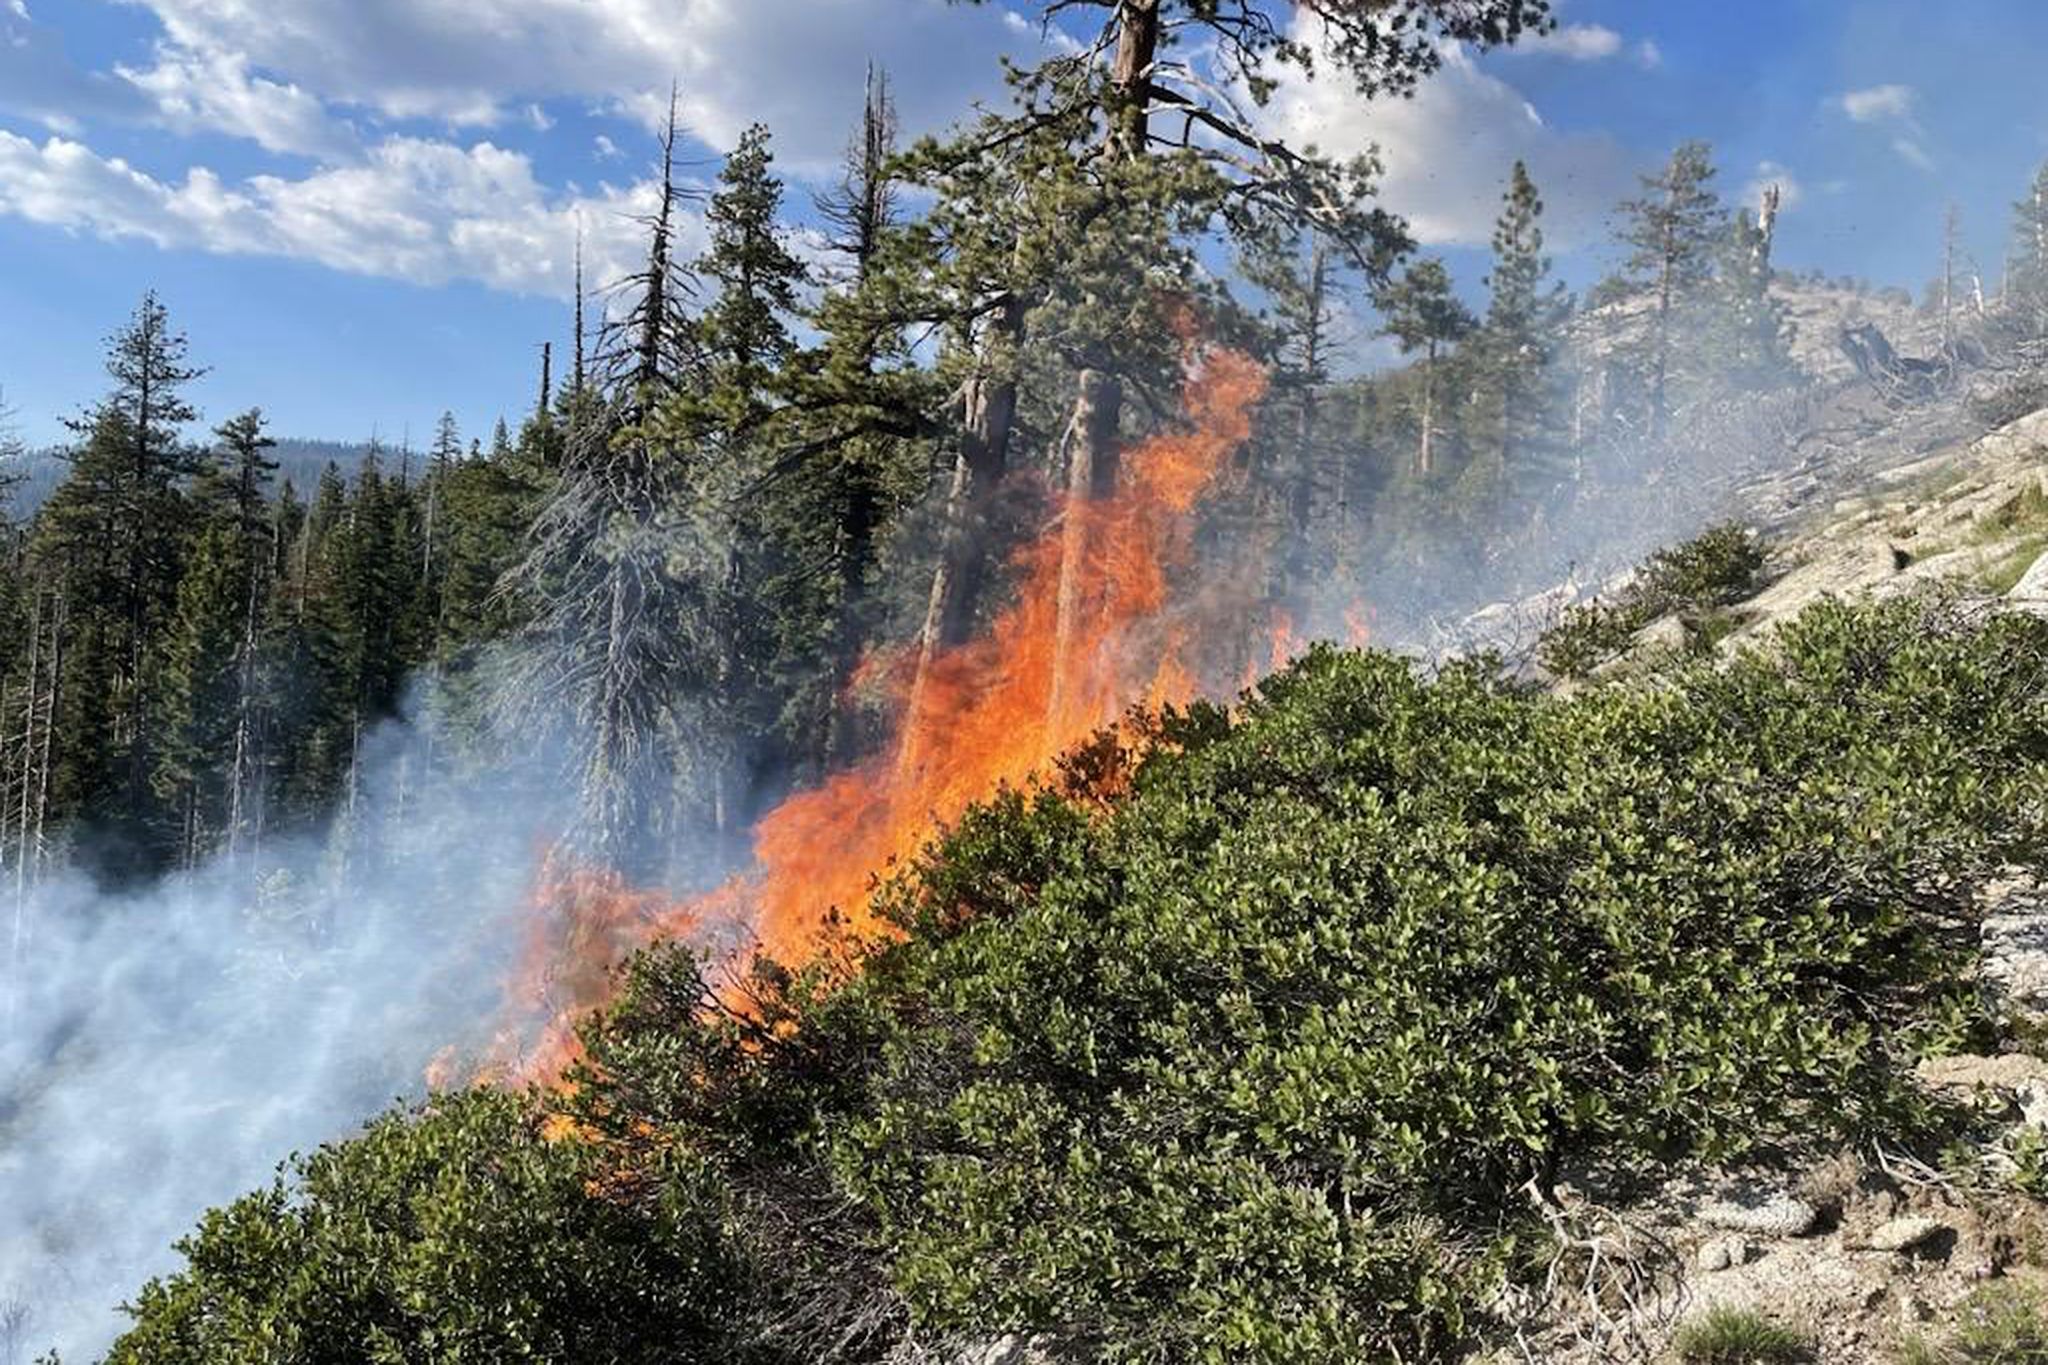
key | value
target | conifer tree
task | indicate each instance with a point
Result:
(1745, 343)
(769, 624)
(745, 327)
(317, 654)
(12, 456)
(1298, 274)
(2026, 287)
(112, 536)
(200, 701)
(862, 208)
(245, 444)
(1129, 86)
(1524, 324)
(1424, 314)
(1672, 231)
(616, 568)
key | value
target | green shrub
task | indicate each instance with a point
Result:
(2000, 1324)
(1715, 570)
(454, 1235)
(1249, 1054)
(1273, 1046)
(1737, 1336)
(1590, 635)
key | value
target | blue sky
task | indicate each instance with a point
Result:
(361, 210)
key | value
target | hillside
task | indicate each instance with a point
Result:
(299, 463)
(847, 838)
(1385, 1016)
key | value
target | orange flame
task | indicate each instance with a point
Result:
(983, 715)
(996, 709)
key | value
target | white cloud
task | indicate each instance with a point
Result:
(39, 81)
(421, 211)
(1879, 102)
(1448, 150)
(1892, 104)
(797, 65)
(1591, 43)
(1578, 42)
(216, 91)
(315, 78)
(1913, 154)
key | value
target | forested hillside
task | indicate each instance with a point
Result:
(1271, 1042)
(197, 643)
(771, 805)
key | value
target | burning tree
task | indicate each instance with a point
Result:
(1154, 131)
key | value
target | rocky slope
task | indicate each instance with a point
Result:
(1869, 1256)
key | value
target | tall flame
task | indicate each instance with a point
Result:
(979, 716)
(996, 709)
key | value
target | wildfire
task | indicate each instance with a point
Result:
(995, 710)
(988, 713)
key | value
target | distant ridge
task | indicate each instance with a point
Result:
(299, 462)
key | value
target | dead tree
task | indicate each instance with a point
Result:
(1899, 379)
(622, 620)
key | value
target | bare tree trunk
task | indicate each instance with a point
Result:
(241, 774)
(1098, 400)
(1137, 46)
(39, 716)
(2040, 260)
(943, 590)
(1091, 442)
(1301, 492)
(1951, 230)
(1660, 411)
(988, 410)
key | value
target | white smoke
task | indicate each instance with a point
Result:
(163, 1051)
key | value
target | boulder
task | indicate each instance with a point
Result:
(2033, 585)
(1779, 1216)
(1904, 1234)
(1725, 1253)
(2015, 938)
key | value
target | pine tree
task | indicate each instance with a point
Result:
(111, 537)
(1423, 313)
(200, 700)
(1524, 325)
(769, 620)
(1086, 200)
(617, 567)
(442, 461)
(1745, 343)
(1673, 231)
(745, 329)
(1383, 49)
(862, 208)
(1298, 274)
(2026, 288)
(256, 531)
(317, 723)
(12, 456)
